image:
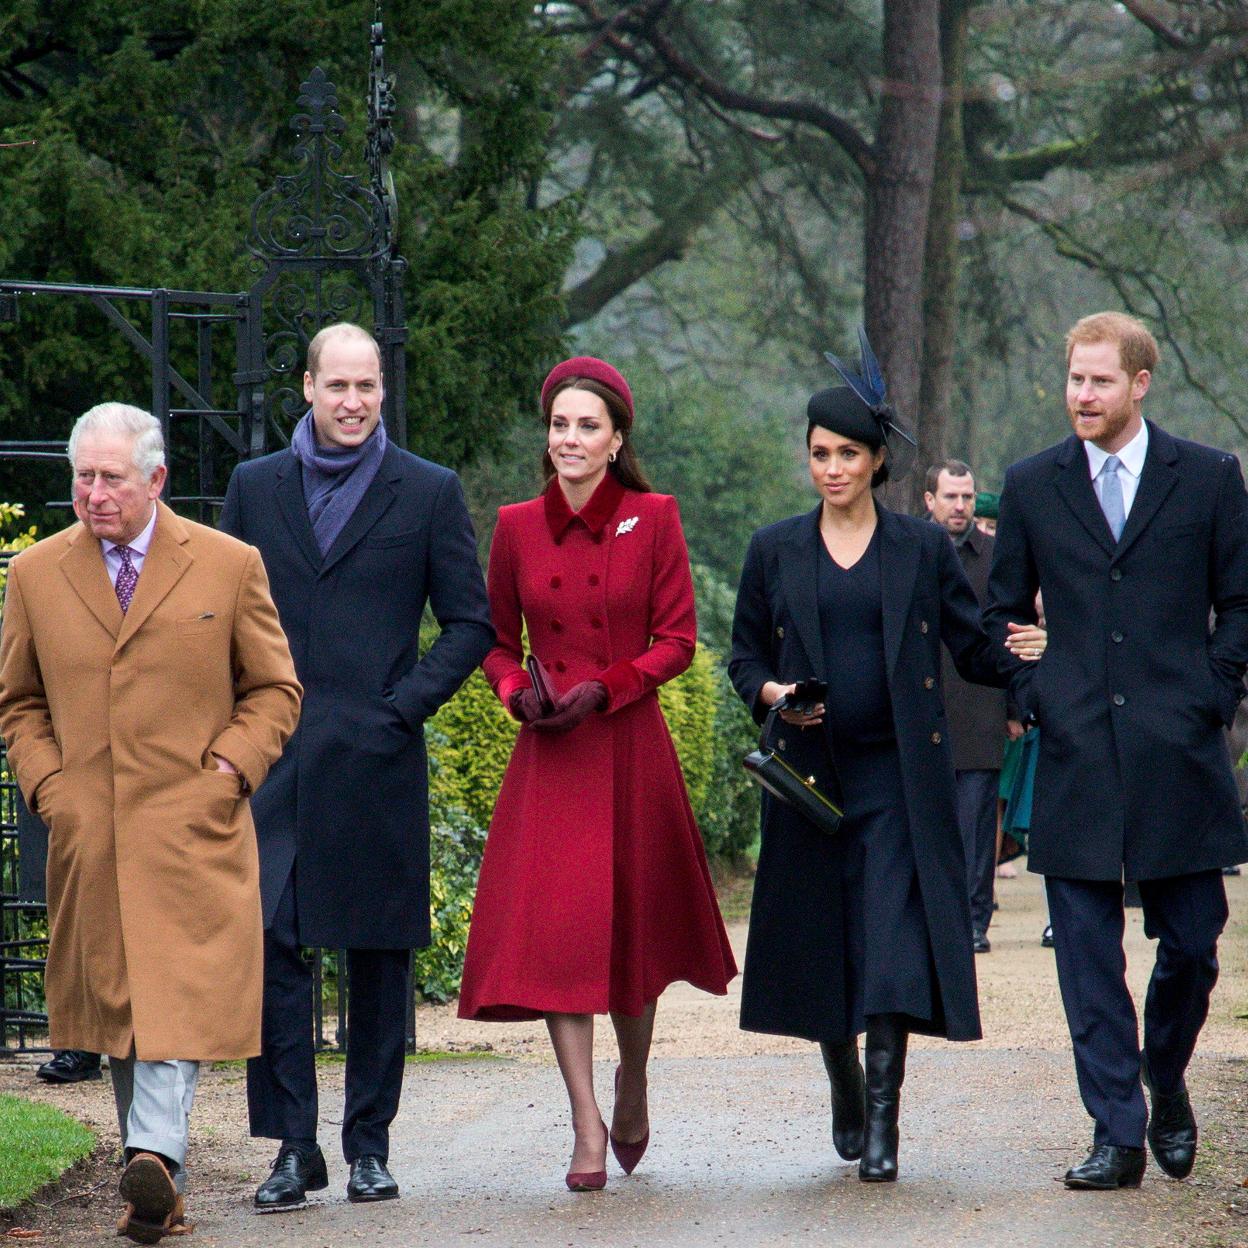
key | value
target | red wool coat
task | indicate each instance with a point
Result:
(594, 892)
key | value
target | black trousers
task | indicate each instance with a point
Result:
(1185, 914)
(977, 821)
(281, 1082)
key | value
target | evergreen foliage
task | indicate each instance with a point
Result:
(158, 122)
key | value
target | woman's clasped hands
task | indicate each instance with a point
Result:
(580, 702)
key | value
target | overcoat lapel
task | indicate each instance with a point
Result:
(1156, 481)
(83, 565)
(1074, 484)
(375, 503)
(294, 509)
(899, 569)
(167, 559)
(799, 574)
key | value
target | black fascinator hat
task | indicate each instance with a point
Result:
(859, 410)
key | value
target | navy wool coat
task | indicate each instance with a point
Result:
(1132, 695)
(346, 806)
(794, 975)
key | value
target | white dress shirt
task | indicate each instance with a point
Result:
(138, 550)
(1131, 464)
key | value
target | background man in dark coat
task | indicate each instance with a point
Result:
(1134, 537)
(978, 721)
(357, 535)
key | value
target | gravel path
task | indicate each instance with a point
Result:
(741, 1152)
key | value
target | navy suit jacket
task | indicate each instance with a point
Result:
(348, 800)
(1135, 688)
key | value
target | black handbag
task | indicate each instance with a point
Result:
(768, 769)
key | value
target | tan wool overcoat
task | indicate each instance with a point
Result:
(111, 722)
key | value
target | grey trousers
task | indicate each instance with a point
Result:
(154, 1107)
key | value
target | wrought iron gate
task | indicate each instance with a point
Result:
(324, 246)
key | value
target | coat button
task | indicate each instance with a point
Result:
(555, 582)
(593, 578)
(781, 743)
(923, 626)
(936, 738)
(560, 665)
(556, 626)
(595, 623)
(1115, 574)
(929, 682)
(1115, 635)
(1119, 700)
(780, 632)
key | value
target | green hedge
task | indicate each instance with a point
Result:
(470, 741)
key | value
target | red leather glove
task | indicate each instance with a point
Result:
(578, 704)
(525, 705)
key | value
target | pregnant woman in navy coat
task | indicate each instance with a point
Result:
(594, 891)
(868, 929)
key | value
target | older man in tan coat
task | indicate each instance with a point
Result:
(145, 689)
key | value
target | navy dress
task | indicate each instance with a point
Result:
(888, 961)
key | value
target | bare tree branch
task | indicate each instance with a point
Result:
(1146, 12)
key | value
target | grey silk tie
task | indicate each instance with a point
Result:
(1111, 496)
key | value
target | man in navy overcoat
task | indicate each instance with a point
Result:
(357, 536)
(1139, 543)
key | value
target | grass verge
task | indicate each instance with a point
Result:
(37, 1145)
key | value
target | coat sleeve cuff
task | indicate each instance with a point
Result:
(624, 684)
(510, 685)
(232, 745)
(35, 770)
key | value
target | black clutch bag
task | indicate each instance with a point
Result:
(768, 769)
(541, 686)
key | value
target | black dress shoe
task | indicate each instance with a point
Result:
(370, 1180)
(70, 1066)
(294, 1174)
(1046, 937)
(980, 942)
(1171, 1128)
(1107, 1167)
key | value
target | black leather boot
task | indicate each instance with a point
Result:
(886, 1068)
(849, 1109)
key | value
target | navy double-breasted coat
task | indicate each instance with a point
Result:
(795, 962)
(1132, 694)
(348, 800)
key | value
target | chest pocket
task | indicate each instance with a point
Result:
(383, 541)
(197, 625)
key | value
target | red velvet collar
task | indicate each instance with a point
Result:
(594, 515)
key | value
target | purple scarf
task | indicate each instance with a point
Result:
(335, 480)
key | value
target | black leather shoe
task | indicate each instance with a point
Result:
(70, 1066)
(293, 1176)
(1171, 1128)
(1046, 937)
(980, 943)
(370, 1180)
(1108, 1167)
(849, 1106)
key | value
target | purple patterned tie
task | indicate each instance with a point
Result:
(127, 579)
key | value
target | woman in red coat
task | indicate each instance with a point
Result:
(594, 892)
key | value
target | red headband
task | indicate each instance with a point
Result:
(592, 369)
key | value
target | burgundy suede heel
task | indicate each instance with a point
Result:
(587, 1180)
(628, 1155)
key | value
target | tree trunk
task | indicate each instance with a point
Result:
(898, 199)
(940, 266)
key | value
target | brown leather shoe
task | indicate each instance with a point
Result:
(175, 1224)
(153, 1207)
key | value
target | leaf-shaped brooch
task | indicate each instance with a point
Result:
(626, 526)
